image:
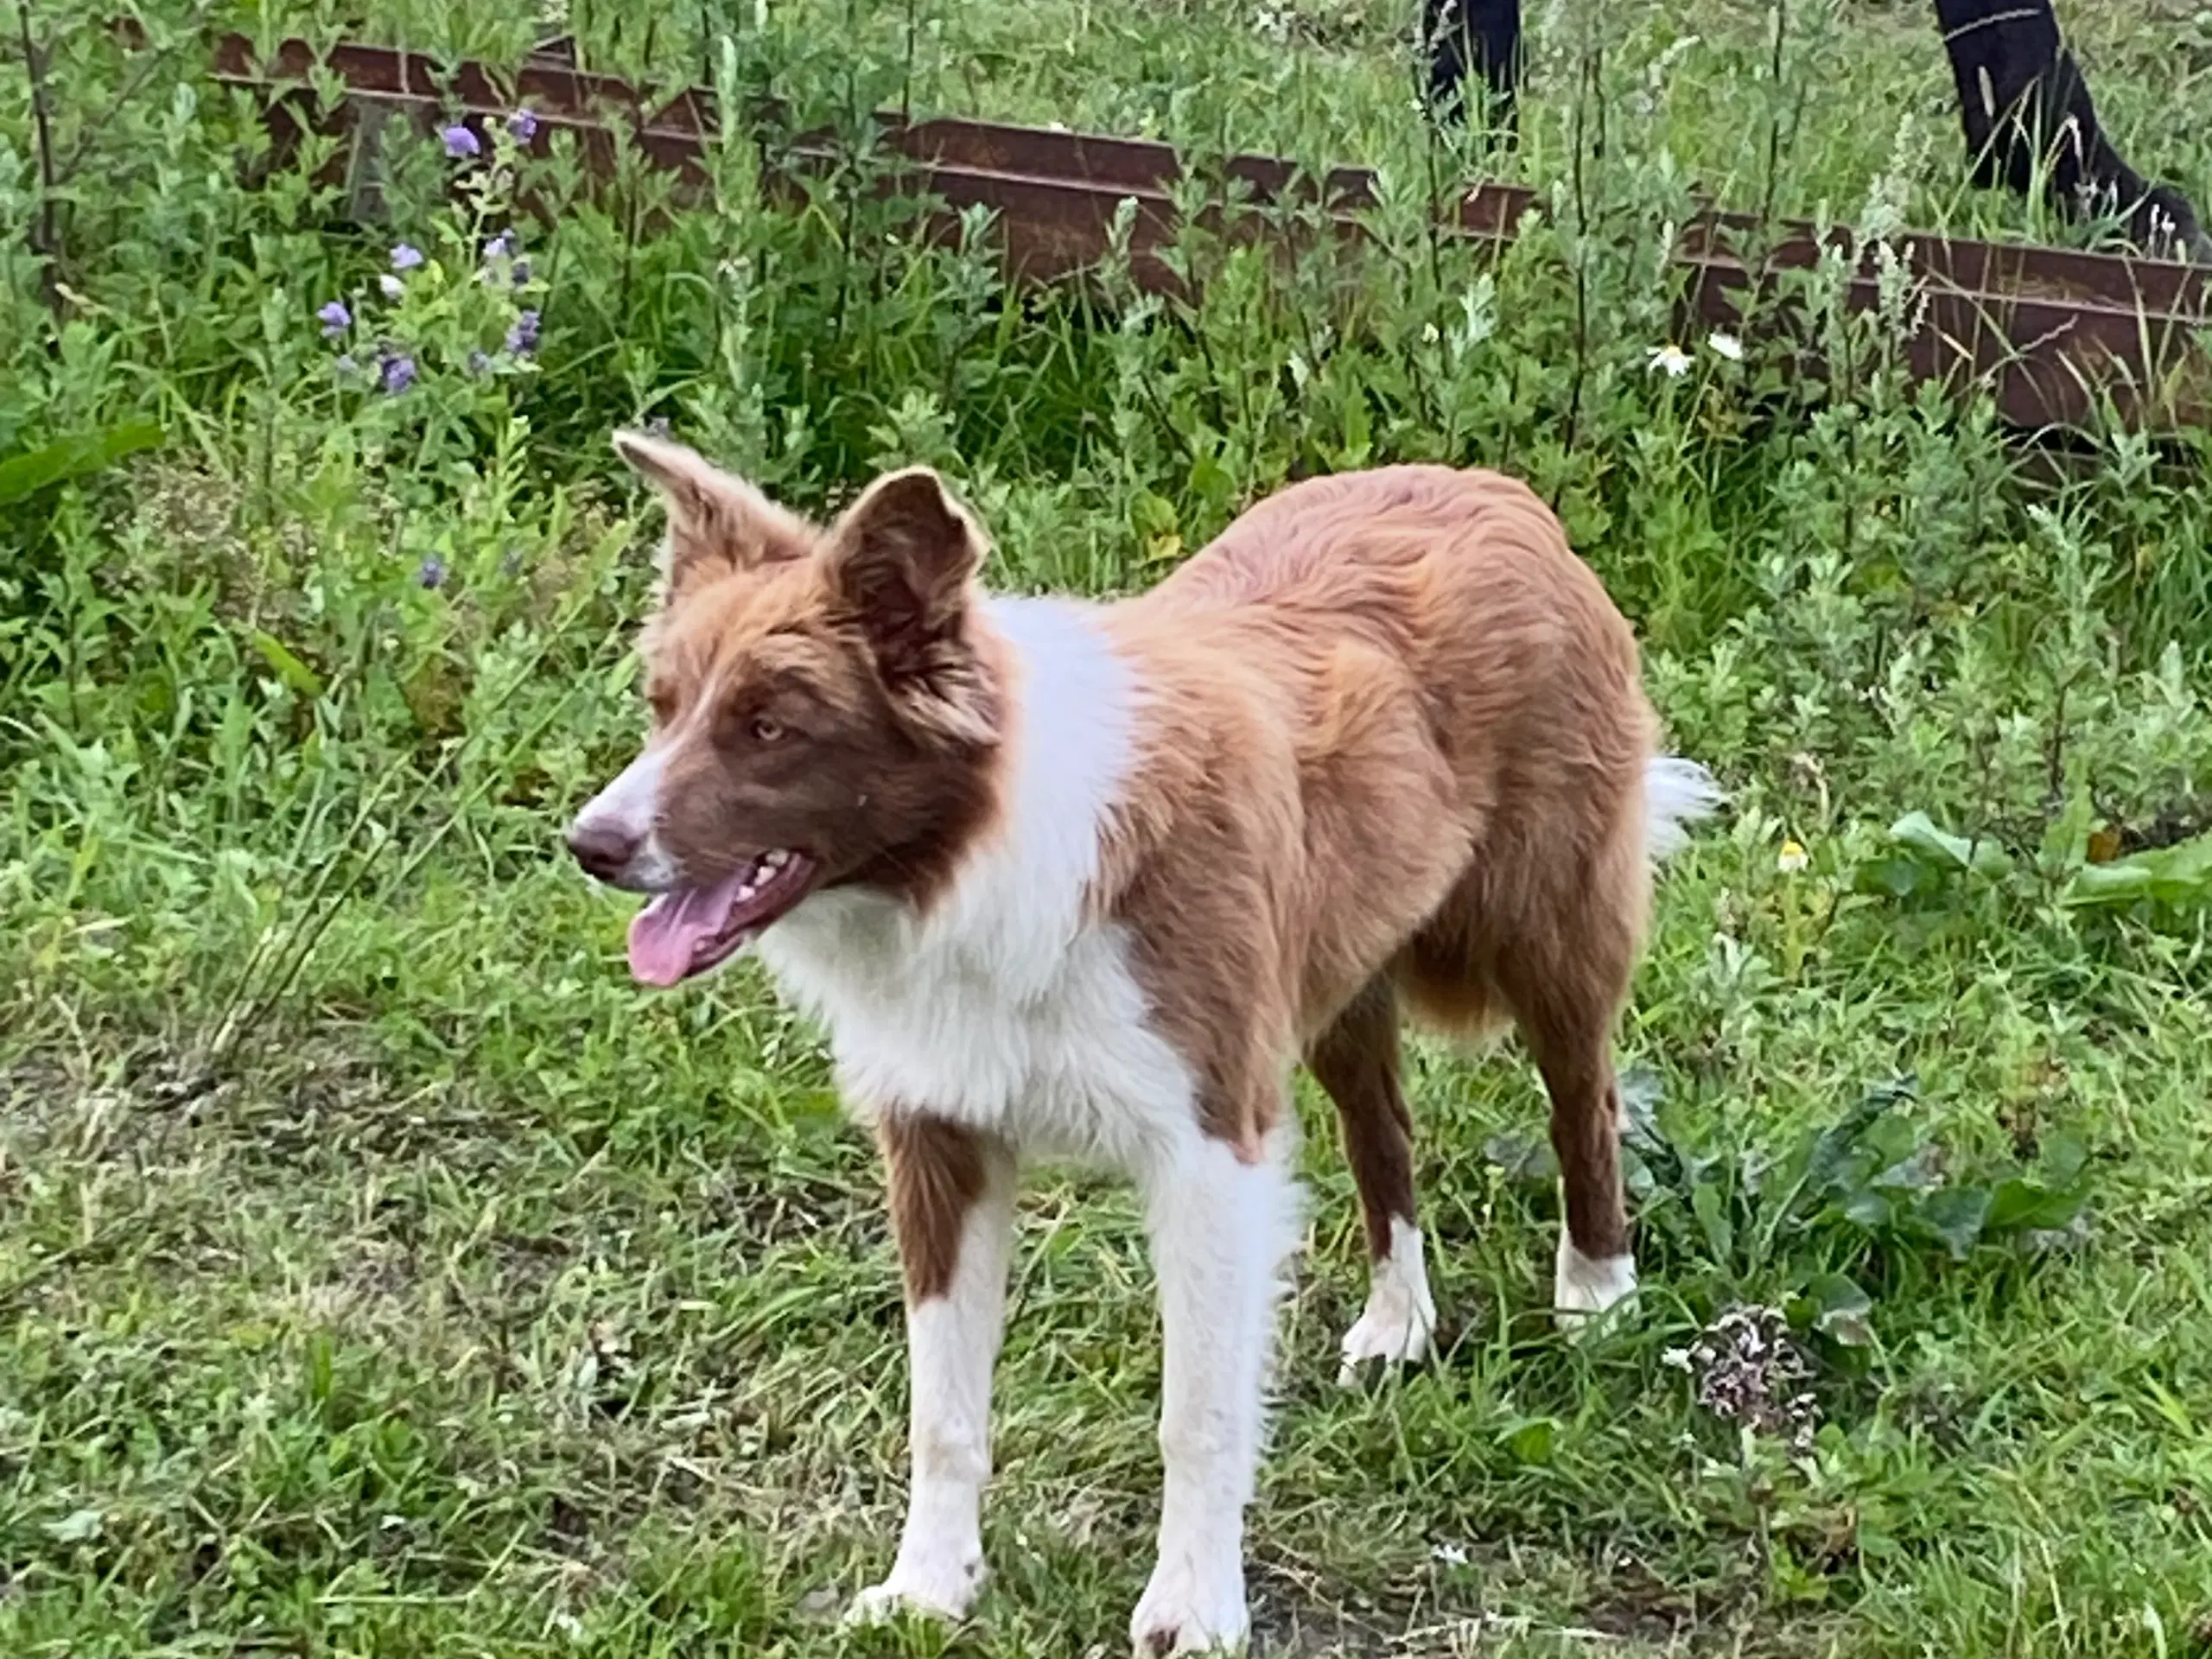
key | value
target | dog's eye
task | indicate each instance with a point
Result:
(765, 730)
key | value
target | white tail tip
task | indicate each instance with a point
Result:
(1677, 793)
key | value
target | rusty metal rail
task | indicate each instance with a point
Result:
(2058, 336)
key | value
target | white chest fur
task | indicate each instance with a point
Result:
(1004, 1007)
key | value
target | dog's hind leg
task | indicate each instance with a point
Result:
(1355, 1062)
(1565, 970)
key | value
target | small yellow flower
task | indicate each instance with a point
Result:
(1792, 858)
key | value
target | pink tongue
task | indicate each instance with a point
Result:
(664, 937)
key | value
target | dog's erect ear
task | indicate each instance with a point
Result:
(716, 522)
(903, 561)
(903, 556)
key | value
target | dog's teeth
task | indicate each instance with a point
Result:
(775, 860)
(745, 893)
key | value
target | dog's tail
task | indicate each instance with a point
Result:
(1677, 793)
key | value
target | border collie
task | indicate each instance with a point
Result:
(1077, 881)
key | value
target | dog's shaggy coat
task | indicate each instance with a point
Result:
(1080, 881)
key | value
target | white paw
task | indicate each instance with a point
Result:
(1191, 1607)
(1395, 1330)
(1583, 1286)
(1400, 1319)
(945, 1590)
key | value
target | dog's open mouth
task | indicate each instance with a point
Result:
(688, 930)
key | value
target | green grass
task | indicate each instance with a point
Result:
(382, 1274)
(1865, 94)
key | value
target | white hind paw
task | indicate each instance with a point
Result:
(1400, 1321)
(1583, 1286)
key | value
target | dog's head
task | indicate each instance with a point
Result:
(824, 709)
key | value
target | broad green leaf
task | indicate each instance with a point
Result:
(1655, 1160)
(1530, 1439)
(2176, 876)
(1870, 1209)
(1523, 1157)
(77, 1526)
(1151, 515)
(75, 456)
(1831, 1147)
(1641, 1090)
(1916, 1172)
(1917, 833)
(1711, 1213)
(2063, 1157)
(1894, 878)
(1211, 480)
(2030, 1204)
(1894, 1143)
(1840, 1308)
(1955, 1215)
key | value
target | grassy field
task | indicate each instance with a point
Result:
(1861, 112)
(382, 1274)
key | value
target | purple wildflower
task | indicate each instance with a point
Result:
(501, 246)
(478, 364)
(398, 373)
(460, 144)
(335, 319)
(523, 125)
(432, 573)
(406, 257)
(522, 339)
(521, 272)
(392, 286)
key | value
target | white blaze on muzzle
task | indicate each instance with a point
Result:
(626, 811)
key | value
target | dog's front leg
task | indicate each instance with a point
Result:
(952, 1210)
(1221, 1229)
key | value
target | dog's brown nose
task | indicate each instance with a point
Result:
(604, 849)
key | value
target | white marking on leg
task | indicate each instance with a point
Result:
(1400, 1316)
(952, 1342)
(1222, 1232)
(1586, 1285)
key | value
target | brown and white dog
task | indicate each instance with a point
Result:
(1085, 881)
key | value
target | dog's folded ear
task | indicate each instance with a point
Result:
(903, 561)
(716, 521)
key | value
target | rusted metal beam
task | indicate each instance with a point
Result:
(2057, 335)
